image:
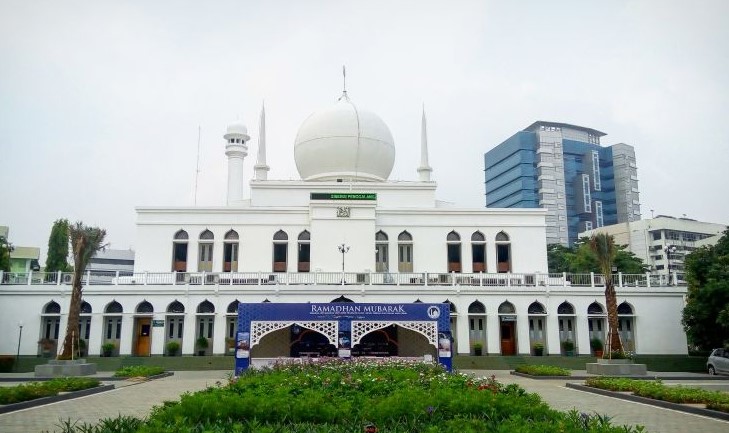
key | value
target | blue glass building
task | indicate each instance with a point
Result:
(564, 169)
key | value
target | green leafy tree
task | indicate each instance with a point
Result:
(706, 314)
(559, 258)
(57, 259)
(86, 241)
(604, 248)
(4, 254)
(582, 260)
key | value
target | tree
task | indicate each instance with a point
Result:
(604, 248)
(57, 259)
(559, 258)
(706, 314)
(85, 241)
(581, 259)
(4, 254)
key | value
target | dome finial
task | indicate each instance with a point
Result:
(344, 85)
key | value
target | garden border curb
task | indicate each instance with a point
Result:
(54, 398)
(646, 377)
(99, 378)
(653, 402)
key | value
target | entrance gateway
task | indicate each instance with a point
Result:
(342, 329)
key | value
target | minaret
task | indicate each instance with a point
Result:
(236, 149)
(424, 170)
(261, 169)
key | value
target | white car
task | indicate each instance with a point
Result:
(718, 362)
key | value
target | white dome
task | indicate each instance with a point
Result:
(237, 128)
(344, 142)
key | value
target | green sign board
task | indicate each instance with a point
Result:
(343, 196)
(158, 323)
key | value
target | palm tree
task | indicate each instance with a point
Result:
(604, 248)
(85, 241)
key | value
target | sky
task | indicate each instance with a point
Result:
(101, 102)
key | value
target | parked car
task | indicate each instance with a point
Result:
(718, 362)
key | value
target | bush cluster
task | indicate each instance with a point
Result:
(139, 371)
(345, 396)
(543, 370)
(655, 389)
(34, 390)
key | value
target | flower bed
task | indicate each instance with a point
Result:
(657, 390)
(34, 390)
(543, 370)
(139, 371)
(345, 396)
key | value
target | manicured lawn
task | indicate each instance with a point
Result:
(345, 396)
(139, 371)
(543, 370)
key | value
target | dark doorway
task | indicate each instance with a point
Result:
(306, 342)
(382, 342)
(508, 338)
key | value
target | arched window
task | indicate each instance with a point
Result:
(507, 308)
(536, 308)
(206, 307)
(205, 257)
(476, 307)
(230, 252)
(280, 251)
(381, 252)
(233, 307)
(179, 251)
(566, 308)
(176, 307)
(341, 299)
(503, 253)
(625, 309)
(595, 309)
(52, 308)
(304, 251)
(85, 308)
(113, 308)
(478, 252)
(454, 251)
(145, 307)
(404, 252)
(452, 307)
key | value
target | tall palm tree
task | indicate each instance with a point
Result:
(85, 241)
(604, 248)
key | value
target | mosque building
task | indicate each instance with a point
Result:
(342, 233)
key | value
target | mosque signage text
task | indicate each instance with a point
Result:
(343, 196)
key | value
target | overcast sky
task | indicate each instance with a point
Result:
(100, 101)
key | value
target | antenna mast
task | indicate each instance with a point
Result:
(197, 164)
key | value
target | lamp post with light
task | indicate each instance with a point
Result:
(343, 248)
(669, 249)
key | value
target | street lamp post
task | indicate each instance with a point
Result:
(20, 335)
(343, 249)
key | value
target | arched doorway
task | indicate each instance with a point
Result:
(175, 325)
(537, 325)
(143, 329)
(477, 327)
(50, 326)
(454, 325)
(231, 326)
(626, 326)
(596, 321)
(112, 326)
(84, 328)
(205, 324)
(566, 320)
(507, 325)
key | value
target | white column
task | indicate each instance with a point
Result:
(522, 334)
(188, 336)
(219, 334)
(157, 345)
(493, 332)
(126, 338)
(97, 331)
(464, 347)
(582, 330)
(552, 343)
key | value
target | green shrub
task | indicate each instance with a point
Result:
(657, 390)
(543, 370)
(139, 371)
(34, 390)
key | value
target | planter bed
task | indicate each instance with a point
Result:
(54, 398)
(693, 408)
(100, 378)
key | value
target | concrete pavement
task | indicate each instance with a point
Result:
(138, 399)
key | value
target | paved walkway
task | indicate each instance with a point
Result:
(138, 399)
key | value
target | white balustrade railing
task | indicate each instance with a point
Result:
(425, 279)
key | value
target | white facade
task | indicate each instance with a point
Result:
(344, 231)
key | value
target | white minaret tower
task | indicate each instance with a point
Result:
(236, 150)
(261, 169)
(424, 170)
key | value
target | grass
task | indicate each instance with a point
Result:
(139, 371)
(345, 396)
(543, 370)
(657, 390)
(35, 390)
